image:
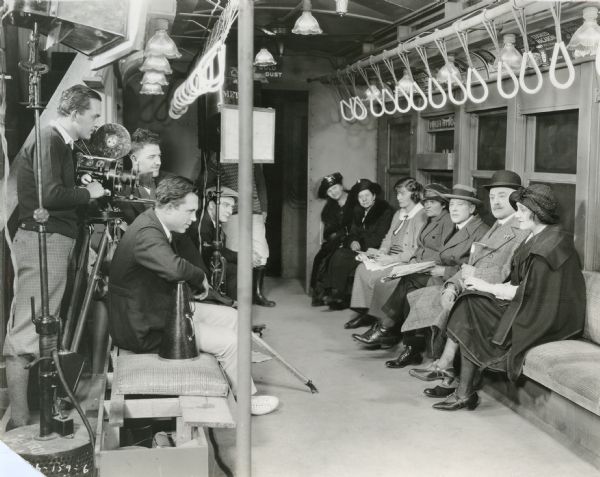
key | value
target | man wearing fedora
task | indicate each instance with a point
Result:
(490, 260)
(469, 228)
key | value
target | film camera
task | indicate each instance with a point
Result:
(101, 159)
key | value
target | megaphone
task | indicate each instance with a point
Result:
(179, 337)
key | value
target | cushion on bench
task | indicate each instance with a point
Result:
(569, 368)
(592, 320)
(149, 374)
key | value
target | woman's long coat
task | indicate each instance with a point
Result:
(368, 230)
(549, 305)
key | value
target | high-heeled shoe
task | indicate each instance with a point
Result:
(454, 403)
(432, 372)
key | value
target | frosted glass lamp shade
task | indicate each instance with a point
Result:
(405, 83)
(154, 77)
(341, 7)
(152, 89)
(448, 72)
(307, 25)
(162, 44)
(584, 41)
(509, 55)
(264, 58)
(157, 63)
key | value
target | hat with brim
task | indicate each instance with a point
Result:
(508, 179)
(211, 192)
(327, 182)
(463, 192)
(435, 191)
(366, 184)
(540, 199)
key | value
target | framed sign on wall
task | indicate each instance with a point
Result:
(263, 135)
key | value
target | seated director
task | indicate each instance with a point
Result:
(144, 272)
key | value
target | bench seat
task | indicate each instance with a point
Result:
(570, 368)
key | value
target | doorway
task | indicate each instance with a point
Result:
(286, 183)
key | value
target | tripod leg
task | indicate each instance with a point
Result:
(291, 368)
(79, 280)
(89, 292)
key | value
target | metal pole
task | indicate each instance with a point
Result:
(244, 278)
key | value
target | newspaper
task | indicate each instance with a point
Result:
(407, 269)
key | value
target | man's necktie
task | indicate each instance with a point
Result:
(451, 235)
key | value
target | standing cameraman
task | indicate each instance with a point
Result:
(78, 111)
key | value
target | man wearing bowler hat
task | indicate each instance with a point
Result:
(489, 260)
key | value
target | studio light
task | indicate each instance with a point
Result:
(306, 23)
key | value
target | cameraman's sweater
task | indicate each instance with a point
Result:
(60, 196)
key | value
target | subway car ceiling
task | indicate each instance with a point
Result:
(375, 77)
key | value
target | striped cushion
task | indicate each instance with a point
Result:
(569, 368)
(592, 321)
(149, 374)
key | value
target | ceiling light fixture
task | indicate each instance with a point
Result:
(341, 7)
(157, 63)
(152, 89)
(161, 43)
(264, 58)
(306, 23)
(585, 40)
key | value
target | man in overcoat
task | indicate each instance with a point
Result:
(490, 260)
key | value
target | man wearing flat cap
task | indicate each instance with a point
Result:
(490, 260)
(208, 234)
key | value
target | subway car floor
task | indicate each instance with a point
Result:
(371, 421)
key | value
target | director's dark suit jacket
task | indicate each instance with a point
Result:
(143, 278)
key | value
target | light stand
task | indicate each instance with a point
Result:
(43, 446)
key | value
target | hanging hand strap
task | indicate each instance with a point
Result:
(559, 47)
(472, 71)
(431, 81)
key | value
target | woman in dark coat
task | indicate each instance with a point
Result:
(370, 222)
(496, 324)
(336, 217)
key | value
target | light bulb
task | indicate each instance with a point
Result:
(157, 63)
(153, 89)
(586, 38)
(341, 7)
(161, 43)
(264, 58)
(154, 77)
(509, 55)
(306, 25)
(372, 92)
(448, 72)
(405, 83)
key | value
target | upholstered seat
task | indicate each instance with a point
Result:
(571, 368)
(149, 374)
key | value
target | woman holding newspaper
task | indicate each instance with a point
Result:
(453, 252)
(398, 246)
